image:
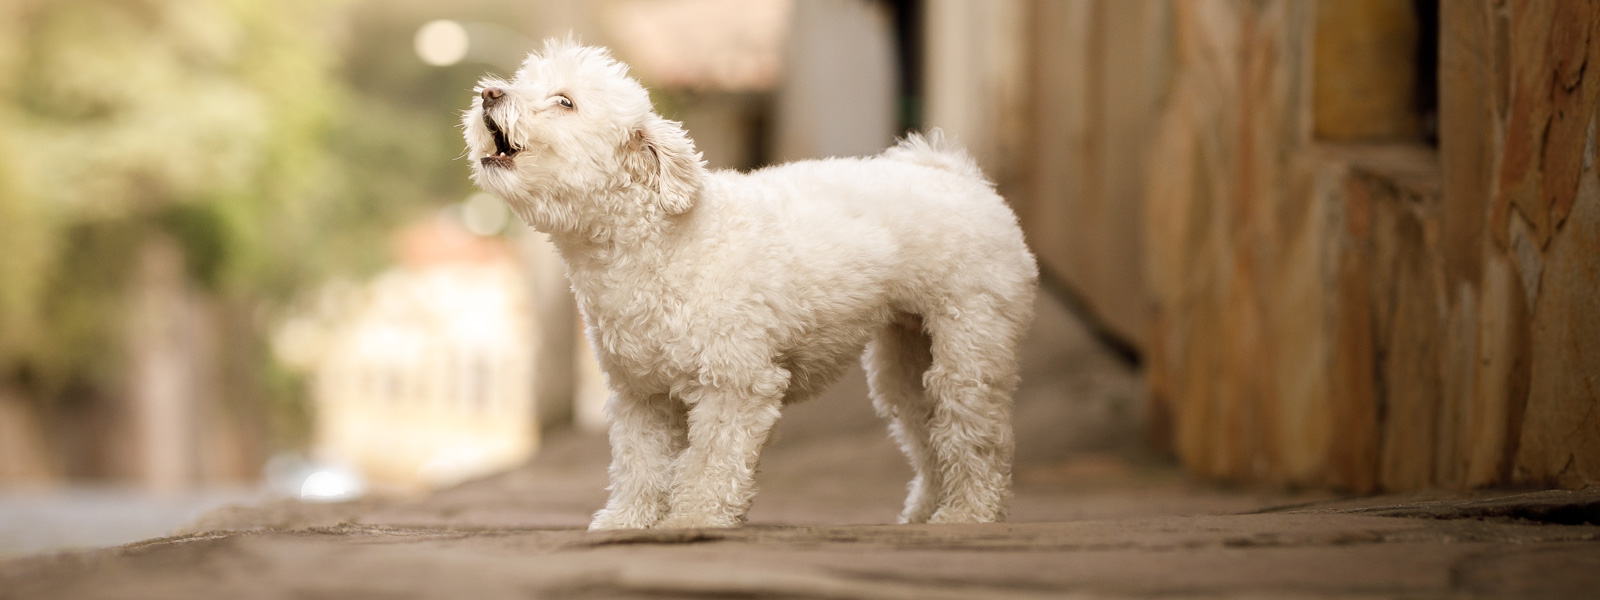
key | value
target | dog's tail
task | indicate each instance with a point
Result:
(934, 150)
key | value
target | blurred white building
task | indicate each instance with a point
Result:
(428, 378)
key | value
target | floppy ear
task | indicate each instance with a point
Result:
(662, 157)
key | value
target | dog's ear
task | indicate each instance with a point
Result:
(662, 157)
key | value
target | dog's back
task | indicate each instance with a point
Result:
(922, 212)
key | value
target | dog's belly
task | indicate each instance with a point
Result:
(812, 369)
(812, 366)
(822, 356)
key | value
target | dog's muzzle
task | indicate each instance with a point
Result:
(504, 150)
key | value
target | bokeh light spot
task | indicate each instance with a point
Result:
(442, 43)
(330, 485)
(484, 214)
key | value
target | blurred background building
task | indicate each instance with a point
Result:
(425, 378)
(1351, 243)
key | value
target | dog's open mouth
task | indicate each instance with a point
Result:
(504, 150)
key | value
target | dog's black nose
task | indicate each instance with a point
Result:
(492, 96)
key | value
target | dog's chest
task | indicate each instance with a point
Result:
(640, 333)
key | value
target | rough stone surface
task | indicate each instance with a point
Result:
(1377, 316)
(1094, 527)
(1098, 71)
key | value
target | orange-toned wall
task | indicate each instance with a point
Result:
(1322, 296)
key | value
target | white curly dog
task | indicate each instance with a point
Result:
(714, 298)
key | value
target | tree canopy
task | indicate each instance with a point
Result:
(264, 138)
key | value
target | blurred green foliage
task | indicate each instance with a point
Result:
(276, 142)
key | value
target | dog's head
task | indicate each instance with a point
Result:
(571, 143)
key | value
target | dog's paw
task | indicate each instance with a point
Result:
(915, 516)
(608, 519)
(951, 515)
(678, 520)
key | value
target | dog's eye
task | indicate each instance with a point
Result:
(564, 101)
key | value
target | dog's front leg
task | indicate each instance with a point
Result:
(647, 432)
(715, 479)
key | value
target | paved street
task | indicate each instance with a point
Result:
(1094, 517)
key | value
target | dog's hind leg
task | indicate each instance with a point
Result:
(646, 433)
(730, 420)
(894, 361)
(970, 383)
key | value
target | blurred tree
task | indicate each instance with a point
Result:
(230, 130)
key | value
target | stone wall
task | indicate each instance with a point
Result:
(1323, 293)
(1098, 72)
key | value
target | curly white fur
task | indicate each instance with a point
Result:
(714, 298)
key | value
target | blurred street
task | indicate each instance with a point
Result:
(88, 516)
(1101, 531)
